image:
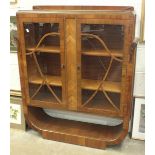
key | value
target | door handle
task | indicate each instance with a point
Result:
(78, 67)
(62, 66)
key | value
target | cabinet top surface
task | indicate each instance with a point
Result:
(70, 11)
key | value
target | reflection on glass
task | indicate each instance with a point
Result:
(101, 65)
(43, 61)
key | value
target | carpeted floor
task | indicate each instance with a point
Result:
(31, 143)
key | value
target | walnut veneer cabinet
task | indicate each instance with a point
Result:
(81, 59)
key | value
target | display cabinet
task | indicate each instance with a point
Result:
(80, 59)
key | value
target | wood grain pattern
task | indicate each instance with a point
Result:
(108, 85)
(86, 134)
(73, 72)
(103, 8)
(102, 53)
(71, 63)
(52, 80)
(48, 49)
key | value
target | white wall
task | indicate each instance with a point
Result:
(14, 73)
(139, 83)
(27, 4)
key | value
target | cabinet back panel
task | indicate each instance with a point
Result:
(112, 35)
(35, 31)
(94, 67)
(44, 94)
(49, 64)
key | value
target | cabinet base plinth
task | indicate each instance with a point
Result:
(74, 139)
(74, 132)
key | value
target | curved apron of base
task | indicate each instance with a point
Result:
(37, 122)
(114, 141)
(31, 124)
(119, 139)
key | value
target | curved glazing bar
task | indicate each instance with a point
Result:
(44, 81)
(101, 85)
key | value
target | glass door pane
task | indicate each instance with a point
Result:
(101, 50)
(44, 59)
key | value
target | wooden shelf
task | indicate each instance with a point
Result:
(52, 80)
(86, 83)
(108, 85)
(116, 53)
(48, 49)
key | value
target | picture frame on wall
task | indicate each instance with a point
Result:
(16, 93)
(17, 119)
(13, 34)
(138, 127)
(13, 1)
(14, 4)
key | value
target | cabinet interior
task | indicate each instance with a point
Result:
(102, 48)
(43, 56)
(112, 35)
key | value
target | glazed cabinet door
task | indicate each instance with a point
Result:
(102, 51)
(43, 63)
